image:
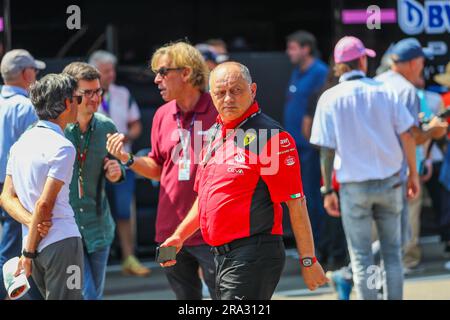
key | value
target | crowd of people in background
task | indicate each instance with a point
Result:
(371, 148)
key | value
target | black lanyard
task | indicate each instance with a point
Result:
(210, 152)
(355, 77)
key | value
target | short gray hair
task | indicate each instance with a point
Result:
(102, 56)
(48, 95)
(11, 76)
(245, 73)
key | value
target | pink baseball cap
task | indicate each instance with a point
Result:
(350, 48)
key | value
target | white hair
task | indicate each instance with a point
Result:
(102, 56)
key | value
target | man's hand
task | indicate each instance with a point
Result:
(173, 241)
(429, 165)
(331, 204)
(44, 227)
(114, 145)
(314, 276)
(438, 127)
(112, 168)
(24, 264)
(413, 190)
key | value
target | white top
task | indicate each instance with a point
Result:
(407, 94)
(43, 152)
(360, 119)
(123, 109)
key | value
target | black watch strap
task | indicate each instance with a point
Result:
(130, 160)
(29, 255)
(325, 191)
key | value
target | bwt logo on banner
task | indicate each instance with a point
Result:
(432, 17)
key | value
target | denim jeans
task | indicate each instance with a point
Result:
(94, 273)
(10, 247)
(310, 164)
(120, 196)
(361, 204)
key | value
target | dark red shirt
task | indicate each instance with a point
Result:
(177, 197)
(242, 186)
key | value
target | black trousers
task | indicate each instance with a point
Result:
(250, 272)
(184, 278)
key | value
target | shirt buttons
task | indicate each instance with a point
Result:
(81, 227)
(82, 137)
(81, 209)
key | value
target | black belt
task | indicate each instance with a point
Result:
(261, 238)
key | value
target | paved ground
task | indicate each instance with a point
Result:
(433, 282)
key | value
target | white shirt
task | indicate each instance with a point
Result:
(404, 89)
(123, 109)
(360, 119)
(407, 95)
(41, 152)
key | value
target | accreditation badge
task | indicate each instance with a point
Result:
(184, 169)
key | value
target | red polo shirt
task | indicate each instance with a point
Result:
(241, 187)
(177, 197)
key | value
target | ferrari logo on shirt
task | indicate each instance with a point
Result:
(249, 137)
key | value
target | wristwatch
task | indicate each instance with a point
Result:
(325, 191)
(130, 160)
(308, 261)
(29, 255)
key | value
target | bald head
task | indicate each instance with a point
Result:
(231, 89)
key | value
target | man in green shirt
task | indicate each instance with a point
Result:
(87, 188)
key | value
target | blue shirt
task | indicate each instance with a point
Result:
(444, 176)
(16, 115)
(301, 86)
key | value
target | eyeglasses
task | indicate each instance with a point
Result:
(90, 93)
(78, 99)
(163, 71)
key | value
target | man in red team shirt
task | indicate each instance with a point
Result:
(181, 123)
(248, 168)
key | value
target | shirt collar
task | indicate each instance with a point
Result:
(50, 125)
(350, 74)
(92, 124)
(232, 124)
(200, 107)
(9, 91)
(310, 67)
(76, 126)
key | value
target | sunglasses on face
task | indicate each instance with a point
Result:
(163, 71)
(78, 99)
(90, 93)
